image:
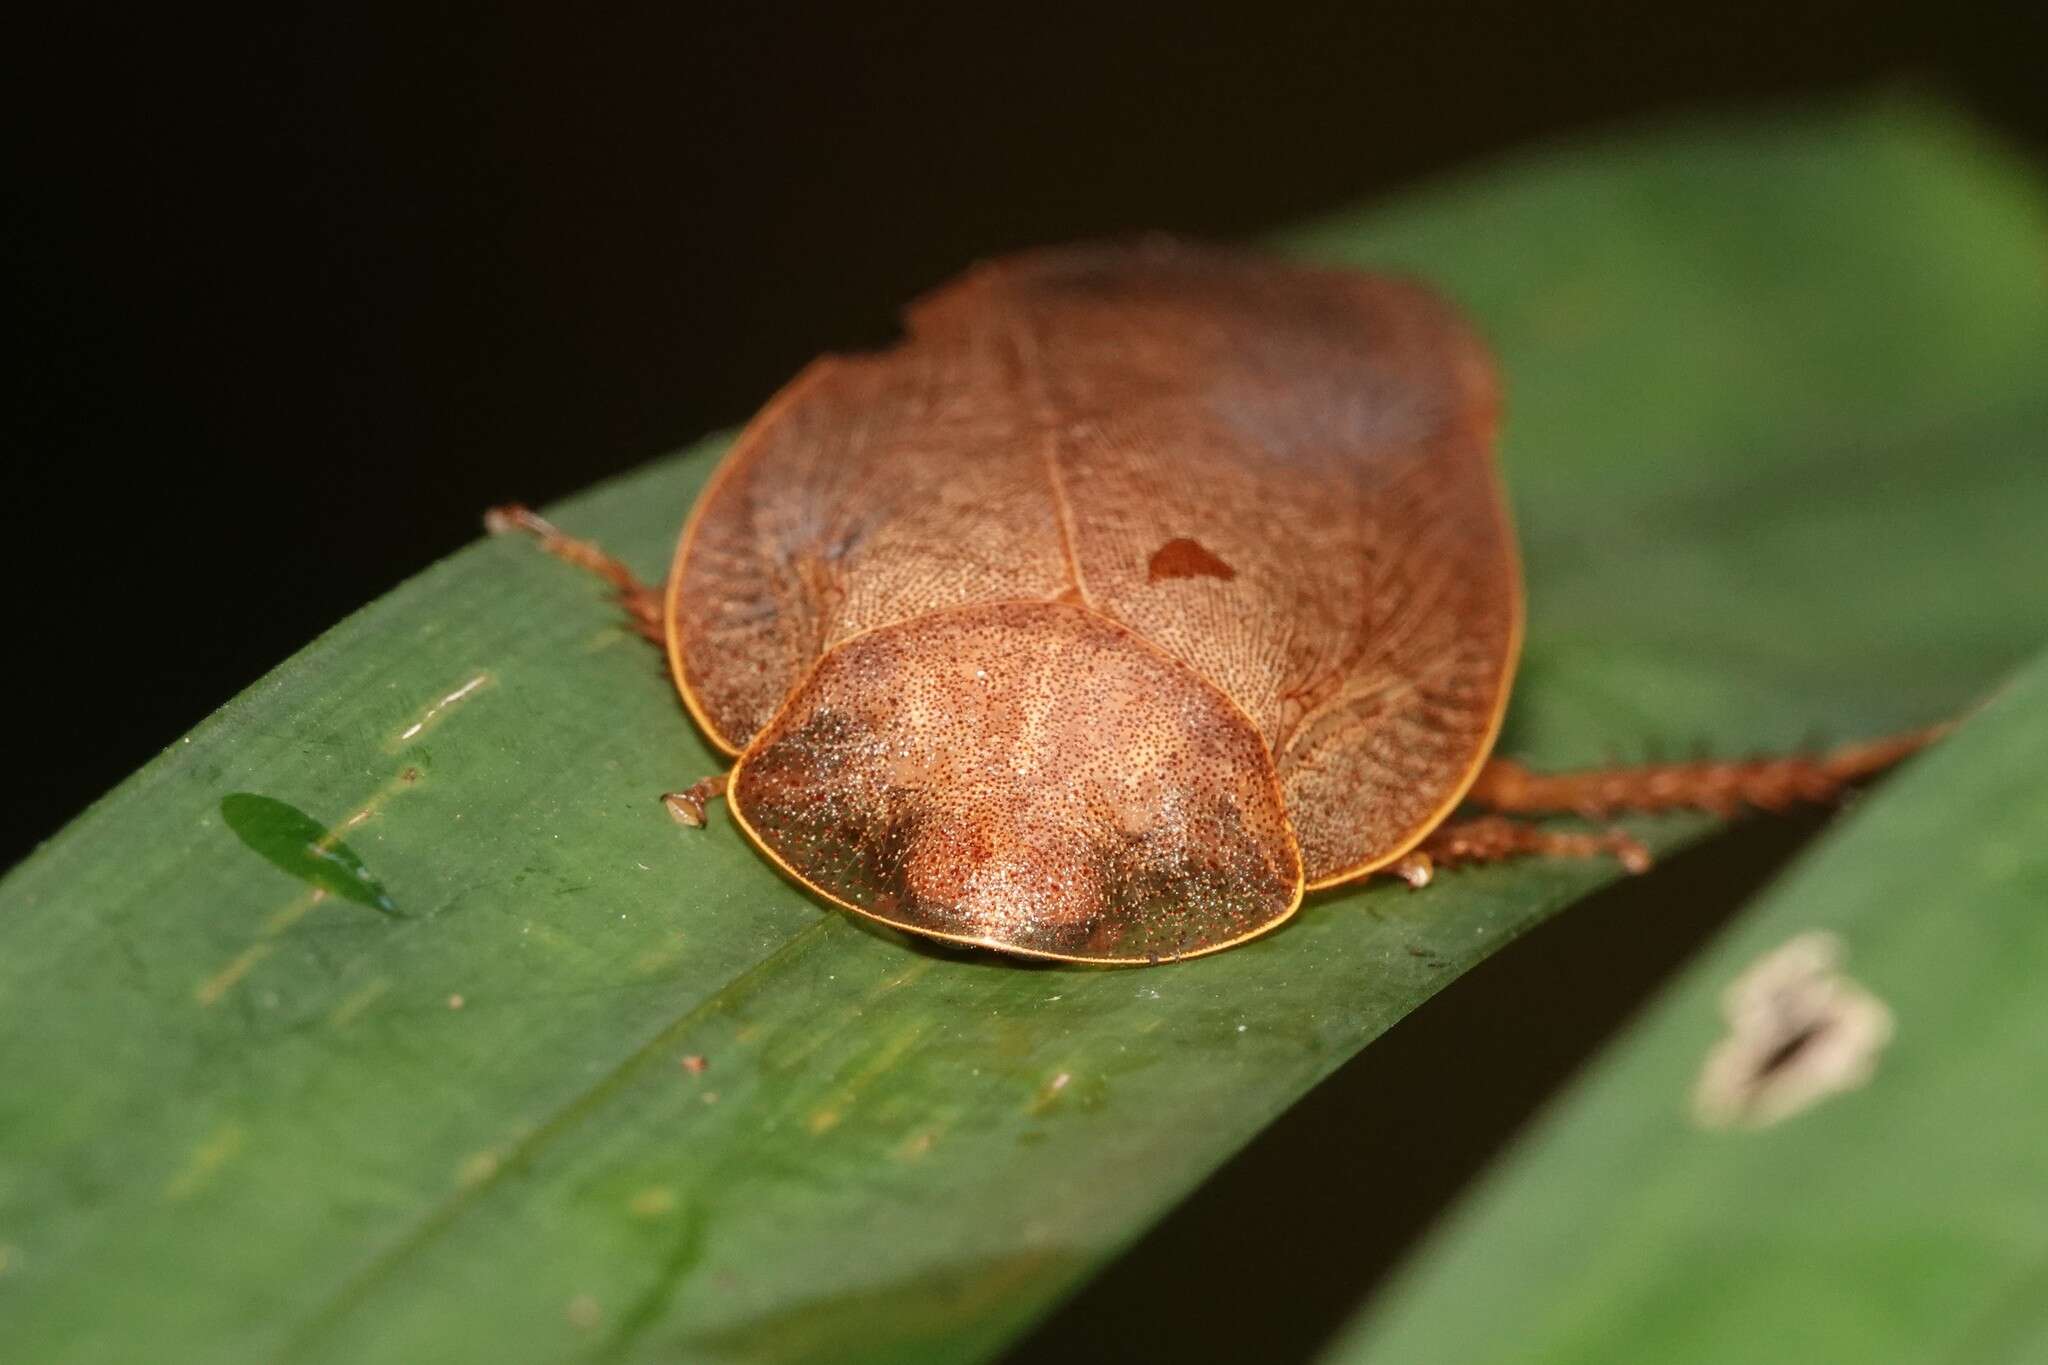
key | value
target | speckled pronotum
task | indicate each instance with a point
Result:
(1138, 591)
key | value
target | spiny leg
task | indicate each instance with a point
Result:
(1720, 786)
(687, 806)
(643, 604)
(1490, 838)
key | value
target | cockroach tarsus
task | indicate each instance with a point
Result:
(688, 805)
(641, 603)
(1138, 591)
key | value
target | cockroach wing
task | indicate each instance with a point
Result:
(1279, 476)
(1284, 477)
(873, 489)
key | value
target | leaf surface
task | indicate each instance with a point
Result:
(1905, 1219)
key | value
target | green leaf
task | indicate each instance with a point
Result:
(297, 843)
(607, 1089)
(1906, 1219)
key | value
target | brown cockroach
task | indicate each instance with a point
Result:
(1140, 590)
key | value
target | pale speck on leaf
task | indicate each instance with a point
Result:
(1799, 1031)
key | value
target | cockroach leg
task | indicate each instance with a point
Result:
(1416, 868)
(687, 806)
(642, 604)
(1723, 787)
(1491, 838)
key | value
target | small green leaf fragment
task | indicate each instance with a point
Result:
(293, 841)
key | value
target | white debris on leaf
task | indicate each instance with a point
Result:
(1798, 1032)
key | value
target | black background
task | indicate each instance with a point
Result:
(296, 296)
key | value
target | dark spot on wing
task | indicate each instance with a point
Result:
(1184, 557)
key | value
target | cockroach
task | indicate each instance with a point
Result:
(1139, 590)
